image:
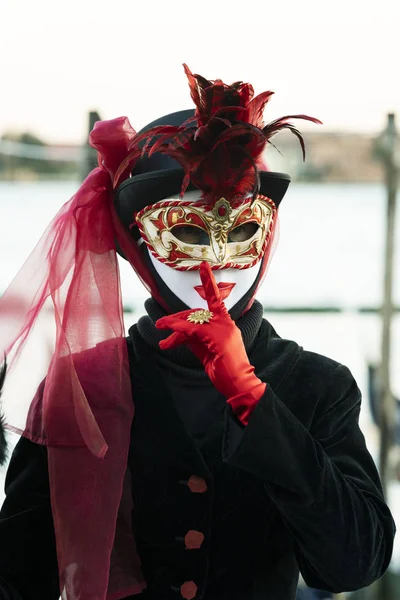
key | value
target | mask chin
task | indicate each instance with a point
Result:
(177, 287)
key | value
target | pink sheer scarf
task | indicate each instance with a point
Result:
(83, 408)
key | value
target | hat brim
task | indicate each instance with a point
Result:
(148, 188)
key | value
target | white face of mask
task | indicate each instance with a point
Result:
(183, 283)
(233, 283)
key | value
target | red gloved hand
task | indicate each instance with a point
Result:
(219, 345)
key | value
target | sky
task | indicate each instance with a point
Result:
(338, 61)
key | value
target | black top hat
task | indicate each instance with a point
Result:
(160, 176)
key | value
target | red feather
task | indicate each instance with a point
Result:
(220, 147)
(256, 107)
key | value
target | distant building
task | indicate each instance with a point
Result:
(330, 156)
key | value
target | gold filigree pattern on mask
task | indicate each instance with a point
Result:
(157, 222)
(222, 210)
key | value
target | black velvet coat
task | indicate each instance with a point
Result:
(296, 488)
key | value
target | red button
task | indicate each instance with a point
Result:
(188, 590)
(193, 539)
(197, 485)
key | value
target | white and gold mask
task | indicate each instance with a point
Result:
(183, 233)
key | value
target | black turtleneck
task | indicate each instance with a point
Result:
(198, 403)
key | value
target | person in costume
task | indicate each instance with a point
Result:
(201, 455)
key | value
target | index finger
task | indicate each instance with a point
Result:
(211, 290)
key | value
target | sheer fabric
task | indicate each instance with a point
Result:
(83, 407)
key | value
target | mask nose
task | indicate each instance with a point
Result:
(224, 275)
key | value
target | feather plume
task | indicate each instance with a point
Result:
(3, 442)
(220, 148)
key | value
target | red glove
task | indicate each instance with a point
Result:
(218, 344)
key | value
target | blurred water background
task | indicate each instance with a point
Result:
(330, 255)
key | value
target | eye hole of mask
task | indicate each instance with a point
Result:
(243, 232)
(191, 235)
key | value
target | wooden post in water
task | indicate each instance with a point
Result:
(387, 408)
(388, 154)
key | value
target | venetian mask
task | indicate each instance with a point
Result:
(180, 234)
(183, 234)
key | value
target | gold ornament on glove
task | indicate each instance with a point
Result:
(200, 316)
